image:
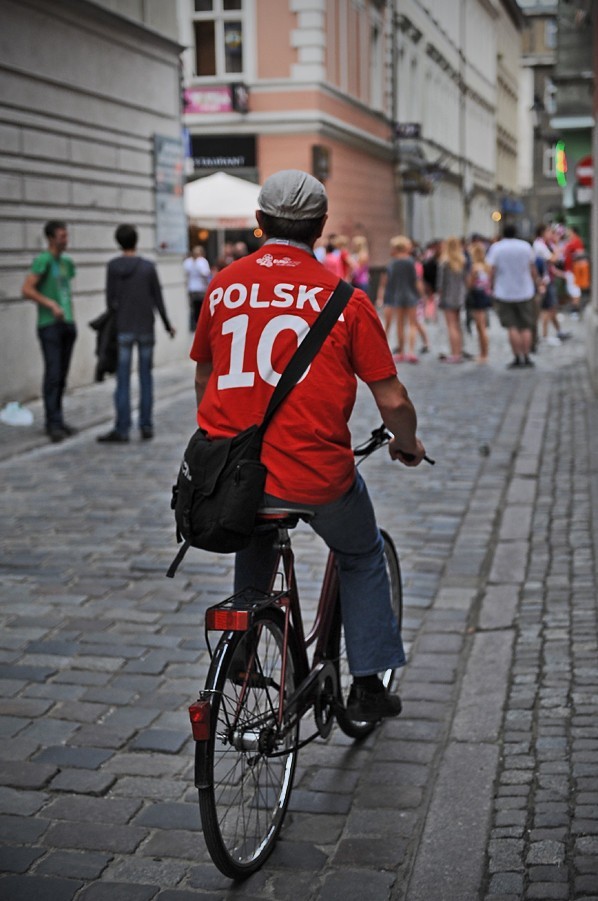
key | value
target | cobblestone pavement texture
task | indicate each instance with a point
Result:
(485, 788)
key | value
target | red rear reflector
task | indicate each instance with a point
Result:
(199, 714)
(228, 620)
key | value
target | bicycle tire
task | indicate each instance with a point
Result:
(356, 728)
(246, 792)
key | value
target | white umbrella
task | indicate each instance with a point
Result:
(221, 201)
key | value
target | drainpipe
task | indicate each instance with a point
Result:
(462, 120)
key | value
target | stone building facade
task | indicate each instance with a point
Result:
(85, 88)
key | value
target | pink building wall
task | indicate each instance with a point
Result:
(360, 188)
(274, 22)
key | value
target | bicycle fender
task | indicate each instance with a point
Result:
(202, 768)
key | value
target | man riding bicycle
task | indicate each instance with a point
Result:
(255, 313)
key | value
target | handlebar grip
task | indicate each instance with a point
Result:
(412, 457)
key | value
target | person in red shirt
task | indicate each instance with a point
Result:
(573, 247)
(576, 266)
(255, 313)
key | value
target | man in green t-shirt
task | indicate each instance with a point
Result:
(48, 284)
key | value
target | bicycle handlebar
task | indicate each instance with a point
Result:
(378, 438)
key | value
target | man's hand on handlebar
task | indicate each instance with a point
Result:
(381, 436)
(413, 458)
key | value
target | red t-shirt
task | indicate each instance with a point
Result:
(253, 316)
(573, 246)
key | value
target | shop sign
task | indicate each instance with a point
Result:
(226, 98)
(223, 151)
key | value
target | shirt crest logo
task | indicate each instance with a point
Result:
(269, 261)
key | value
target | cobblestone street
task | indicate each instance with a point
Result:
(484, 789)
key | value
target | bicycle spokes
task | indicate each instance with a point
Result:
(252, 748)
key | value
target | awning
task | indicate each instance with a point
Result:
(221, 201)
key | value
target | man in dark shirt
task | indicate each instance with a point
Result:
(133, 292)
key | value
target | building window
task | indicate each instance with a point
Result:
(218, 29)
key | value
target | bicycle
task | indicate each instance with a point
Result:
(260, 685)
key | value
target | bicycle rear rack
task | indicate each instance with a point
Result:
(236, 613)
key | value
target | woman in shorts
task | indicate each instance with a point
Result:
(451, 287)
(399, 291)
(479, 297)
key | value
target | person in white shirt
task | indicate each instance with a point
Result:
(514, 275)
(198, 278)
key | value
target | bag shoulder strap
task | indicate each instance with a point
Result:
(175, 563)
(308, 348)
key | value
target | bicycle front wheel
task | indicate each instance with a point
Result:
(248, 763)
(338, 651)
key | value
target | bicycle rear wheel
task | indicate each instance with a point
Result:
(245, 770)
(338, 651)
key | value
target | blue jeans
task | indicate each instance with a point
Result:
(122, 395)
(348, 526)
(57, 342)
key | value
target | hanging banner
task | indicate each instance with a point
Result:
(169, 179)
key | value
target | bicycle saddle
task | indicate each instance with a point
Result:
(283, 517)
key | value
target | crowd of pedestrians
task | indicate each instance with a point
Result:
(527, 285)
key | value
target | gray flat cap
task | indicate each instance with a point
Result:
(292, 194)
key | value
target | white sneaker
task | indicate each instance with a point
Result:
(553, 341)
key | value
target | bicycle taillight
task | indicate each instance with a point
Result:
(199, 714)
(220, 619)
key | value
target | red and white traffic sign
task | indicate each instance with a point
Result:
(584, 171)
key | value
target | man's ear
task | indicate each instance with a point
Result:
(321, 229)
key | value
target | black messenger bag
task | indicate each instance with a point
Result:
(220, 484)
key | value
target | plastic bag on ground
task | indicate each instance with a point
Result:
(14, 414)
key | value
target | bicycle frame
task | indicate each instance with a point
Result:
(320, 632)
